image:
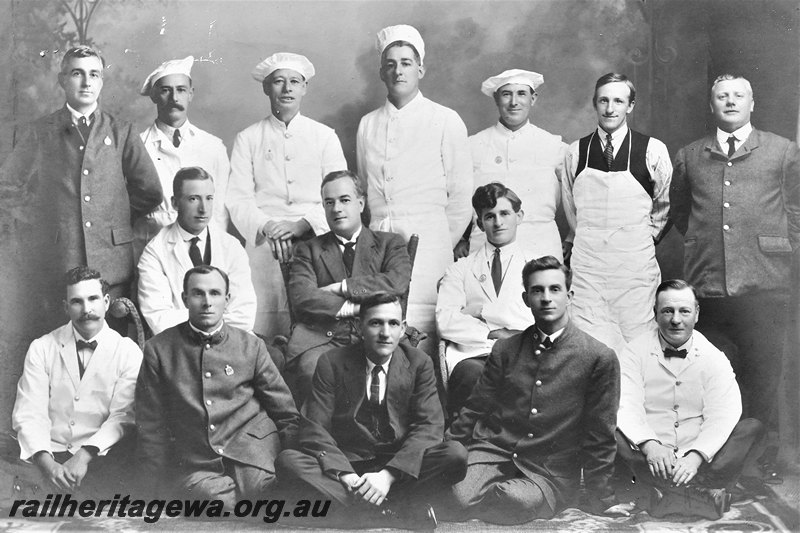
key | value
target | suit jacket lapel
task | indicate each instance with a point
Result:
(398, 386)
(331, 256)
(482, 273)
(69, 355)
(355, 379)
(366, 250)
(179, 254)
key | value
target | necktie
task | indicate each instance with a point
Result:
(375, 386)
(349, 256)
(497, 271)
(608, 154)
(731, 146)
(194, 252)
(547, 343)
(669, 352)
(81, 344)
(84, 128)
(176, 138)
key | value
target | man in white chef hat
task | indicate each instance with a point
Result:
(414, 156)
(524, 158)
(174, 143)
(277, 166)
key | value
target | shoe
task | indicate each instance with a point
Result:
(415, 518)
(691, 501)
(753, 486)
(770, 474)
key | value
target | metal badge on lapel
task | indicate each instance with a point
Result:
(482, 278)
(107, 141)
(228, 370)
(498, 159)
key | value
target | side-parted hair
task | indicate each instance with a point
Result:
(374, 300)
(613, 77)
(402, 43)
(342, 174)
(486, 196)
(185, 174)
(677, 285)
(84, 273)
(81, 51)
(548, 262)
(205, 269)
(726, 77)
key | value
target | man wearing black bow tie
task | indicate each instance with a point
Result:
(678, 424)
(75, 397)
(210, 398)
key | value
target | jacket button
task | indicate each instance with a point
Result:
(675, 407)
(537, 352)
(208, 402)
(69, 446)
(726, 227)
(530, 435)
(727, 183)
(730, 164)
(329, 333)
(85, 172)
(208, 374)
(87, 198)
(538, 383)
(219, 451)
(677, 383)
(212, 427)
(726, 205)
(676, 424)
(514, 456)
(534, 411)
(88, 224)
(71, 422)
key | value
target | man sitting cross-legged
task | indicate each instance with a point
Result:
(371, 435)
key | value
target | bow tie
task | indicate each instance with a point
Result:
(669, 352)
(83, 345)
(216, 338)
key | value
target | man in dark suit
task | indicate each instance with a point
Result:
(333, 273)
(210, 399)
(735, 197)
(81, 176)
(372, 427)
(544, 407)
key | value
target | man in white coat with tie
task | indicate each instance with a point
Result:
(414, 156)
(277, 166)
(479, 298)
(188, 242)
(174, 143)
(75, 396)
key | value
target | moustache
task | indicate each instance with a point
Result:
(89, 316)
(179, 107)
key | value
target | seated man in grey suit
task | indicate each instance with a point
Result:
(190, 241)
(544, 407)
(333, 273)
(372, 429)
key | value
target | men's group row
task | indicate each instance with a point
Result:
(735, 195)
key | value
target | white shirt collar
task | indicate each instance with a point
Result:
(552, 336)
(352, 239)
(741, 136)
(79, 337)
(616, 137)
(410, 105)
(371, 365)
(685, 346)
(505, 251)
(76, 116)
(503, 130)
(281, 125)
(209, 333)
(186, 236)
(168, 131)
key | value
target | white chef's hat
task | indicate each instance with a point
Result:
(515, 75)
(174, 66)
(401, 32)
(280, 60)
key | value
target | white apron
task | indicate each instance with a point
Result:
(434, 254)
(615, 272)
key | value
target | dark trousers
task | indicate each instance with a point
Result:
(442, 466)
(235, 481)
(461, 382)
(739, 451)
(751, 330)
